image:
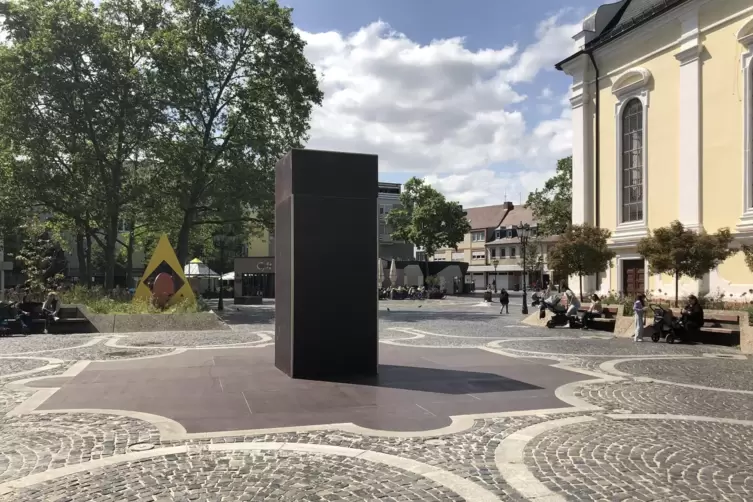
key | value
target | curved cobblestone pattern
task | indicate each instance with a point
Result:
(655, 398)
(10, 365)
(617, 347)
(9, 399)
(730, 374)
(59, 370)
(36, 443)
(645, 460)
(470, 454)
(18, 345)
(188, 338)
(588, 363)
(258, 476)
(101, 351)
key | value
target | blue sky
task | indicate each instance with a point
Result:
(460, 93)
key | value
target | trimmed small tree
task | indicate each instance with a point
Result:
(678, 251)
(581, 250)
(425, 218)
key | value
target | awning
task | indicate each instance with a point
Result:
(195, 268)
(230, 276)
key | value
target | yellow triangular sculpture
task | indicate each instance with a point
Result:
(164, 253)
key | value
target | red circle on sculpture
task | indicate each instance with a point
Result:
(163, 288)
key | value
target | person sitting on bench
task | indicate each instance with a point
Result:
(50, 310)
(593, 313)
(692, 316)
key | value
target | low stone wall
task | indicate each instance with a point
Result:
(746, 334)
(533, 318)
(126, 323)
(627, 328)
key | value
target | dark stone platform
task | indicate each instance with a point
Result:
(240, 388)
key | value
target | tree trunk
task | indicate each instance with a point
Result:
(426, 274)
(677, 287)
(83, 270)
(183, 236)
(580, 286)
(89, 269)
(111, 238)
(129, 257)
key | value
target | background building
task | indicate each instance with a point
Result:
(255, 267)
(388, 199)
(494, 236)
(662, 117)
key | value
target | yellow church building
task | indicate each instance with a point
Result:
(662, 117)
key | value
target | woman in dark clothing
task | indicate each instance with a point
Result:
(504, 299)
(692, 316)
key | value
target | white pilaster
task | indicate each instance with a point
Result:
(689, 56)
(582, 120)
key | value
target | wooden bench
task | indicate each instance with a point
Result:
(70, 321)
(719, 329)
(604, 323)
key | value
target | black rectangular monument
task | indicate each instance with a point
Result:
(326, 254)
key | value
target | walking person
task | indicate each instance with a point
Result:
(504, 300)
(640, 316)
(50, 310)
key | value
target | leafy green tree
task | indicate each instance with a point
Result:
(678, 251)
(581, 250)
(42, 257)
(552, 205)
(425, 218)
(241, 94)
(79, 107)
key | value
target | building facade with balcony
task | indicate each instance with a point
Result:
(662, 122)
(493, 251)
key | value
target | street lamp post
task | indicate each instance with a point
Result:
(523, 232)
(220, 241)
(495, 262)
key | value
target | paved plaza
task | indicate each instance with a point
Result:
(469, 405)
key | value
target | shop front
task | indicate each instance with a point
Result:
(255, 277)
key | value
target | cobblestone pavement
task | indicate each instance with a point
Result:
(645, 460)
(189, 338)
(708, 372)
(9, 399)
(263, 476)
(12, 365)
(646, 397)
(616, 347)
(27, 345)
(658, 459)
(36, 443)
(101, 351)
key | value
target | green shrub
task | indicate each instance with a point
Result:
(98, 302)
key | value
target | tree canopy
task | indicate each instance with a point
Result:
(158, 116)
(678, 251)
(552, 205)
(425, 218)
(581, 250)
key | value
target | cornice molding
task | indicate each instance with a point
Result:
(631, 81)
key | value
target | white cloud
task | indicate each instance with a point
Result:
(438, 110)
(554, 41)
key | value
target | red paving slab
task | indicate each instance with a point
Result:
(240, 388)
